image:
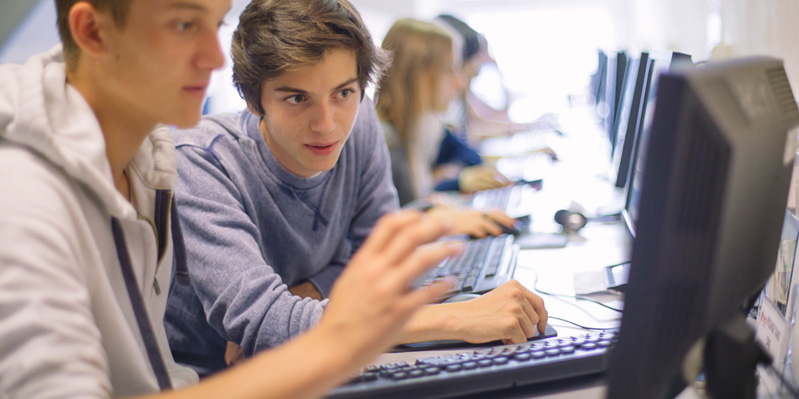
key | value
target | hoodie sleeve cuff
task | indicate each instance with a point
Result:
(326, 278)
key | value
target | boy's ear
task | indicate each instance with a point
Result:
(87, 25)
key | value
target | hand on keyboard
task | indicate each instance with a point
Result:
(473, 222)
(510, 313)
(372, 300)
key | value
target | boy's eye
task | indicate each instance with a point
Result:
(346, 93)
(184, 26)
(296, 99)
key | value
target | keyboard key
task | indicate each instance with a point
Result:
(416, 373)
(500, 360)
(401, 375)
(469, 365)
(453, 367)
(539, 354)
(522, 357)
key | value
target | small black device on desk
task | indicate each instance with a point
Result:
(549, 332)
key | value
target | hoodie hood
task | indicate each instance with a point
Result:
(39, 110)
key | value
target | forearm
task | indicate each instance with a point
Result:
(268, 322)
(429, 323)
(307, 367)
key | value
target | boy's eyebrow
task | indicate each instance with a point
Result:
(187, 5)
(301, 91)
(345, 84)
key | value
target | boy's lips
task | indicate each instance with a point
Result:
(321, 148)
(197, 91)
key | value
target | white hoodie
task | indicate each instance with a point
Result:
(67, 328)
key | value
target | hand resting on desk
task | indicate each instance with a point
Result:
(510, 313)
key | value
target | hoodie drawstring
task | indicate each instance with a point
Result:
(136, 301)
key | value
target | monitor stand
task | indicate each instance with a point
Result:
(731, 359)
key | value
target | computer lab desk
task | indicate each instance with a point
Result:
(552, 270)
(579, 180)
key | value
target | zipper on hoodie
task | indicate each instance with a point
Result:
(163, 201)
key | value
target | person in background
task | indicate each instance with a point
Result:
(411, 99)
(275, 201)
(470, 117)
(88, 228)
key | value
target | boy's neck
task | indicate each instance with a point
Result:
(123, 131)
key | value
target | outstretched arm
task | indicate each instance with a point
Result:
(369, 304)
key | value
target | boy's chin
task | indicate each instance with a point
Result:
(185, 122)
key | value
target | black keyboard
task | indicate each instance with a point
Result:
(483, 370)
(484, 264)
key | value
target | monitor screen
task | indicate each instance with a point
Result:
(718, 167)
(627, 117)
(614, 86)
(599, 78)
(660, 62)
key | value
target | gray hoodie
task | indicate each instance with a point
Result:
(252, 228)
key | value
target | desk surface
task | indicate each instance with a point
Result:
(596, 246)
(579, 180)
(552, 270)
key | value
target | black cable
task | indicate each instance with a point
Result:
(582, 326)
(579, 297)
(584, 298)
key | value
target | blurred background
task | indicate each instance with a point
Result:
(546, 49)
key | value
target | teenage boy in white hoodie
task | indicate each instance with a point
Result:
(86, 242)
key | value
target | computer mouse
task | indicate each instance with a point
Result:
(461, 298)
(454, 343)
(509, 230)
(523, 222)
(505, 230)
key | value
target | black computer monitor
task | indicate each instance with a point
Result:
(711, 212)
(622, 65)
(599, 78)
(627, 116)
(660, 62)
(614, 86)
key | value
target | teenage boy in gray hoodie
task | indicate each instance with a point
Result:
(85, 229)
(275, 200)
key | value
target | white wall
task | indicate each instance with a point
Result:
(763, 27)
(742, 27)
(33, 32)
